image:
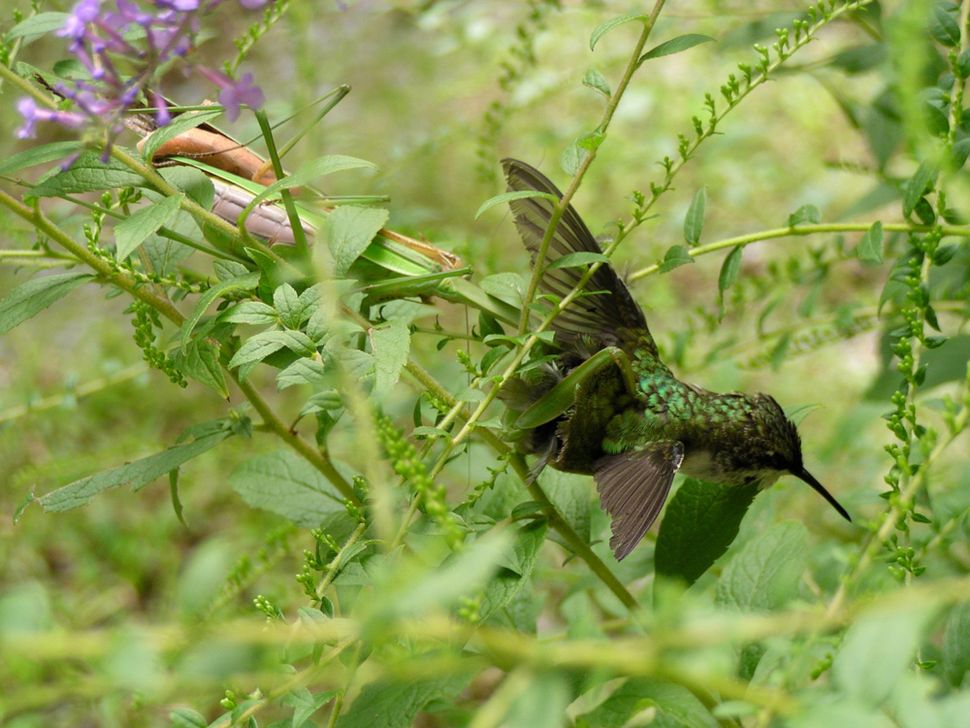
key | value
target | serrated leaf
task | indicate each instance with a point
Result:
(390, 343)
(30, 298)
(134, 230)
(136, 474)
(700, 522)
(284, 483)
(351, 230)
(303, 371)
(870, 246)
(243, 283)
(200, 360)
(575, 260)
(604, 28)
(394, 704)
(509, 196)
(285, 301)
(805, 214)
(675, 707)
(261, 345)
(764, 575)
(88, 173)
(694, 220)
(595, 80)
(255, 313)
(517, 565)
(730, 269)
(675, 257)
(675, 45)
(40, 154)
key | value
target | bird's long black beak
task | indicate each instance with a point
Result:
(820, 489)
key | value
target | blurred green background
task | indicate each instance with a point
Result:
(423, 77)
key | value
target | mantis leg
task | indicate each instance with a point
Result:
(563, 395)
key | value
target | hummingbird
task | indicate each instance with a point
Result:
(607, 405)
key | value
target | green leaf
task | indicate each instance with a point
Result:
(877, 650)
(137, 474)
(675, 707)
(390, 343)
(178, 125)
(305, 704)
(256, 313)
(694, 220)
(38, 155)
(200, 360)
(765, 574)
(193, 182)
(314, 170)
(261, 345)
(542, 704)
(285, 301)
(131, 232)
(805, 214)
(509, 196)
(394, 704)
(916, 186)
(730, 269)
(945, 27)
(186, 718)
(594, 80)
(461, 575)
(575, 260)
(869, 249)
(604, 28)
(243, 283)
(302, 371)
(30, 298)
(675, 45)
(699, 524)
(351, 230)
(956, 644)
(569, 492)
(88, 173)
(516, 567)
(572, 158)
(284, 483)
(675, 257)
(39, 24)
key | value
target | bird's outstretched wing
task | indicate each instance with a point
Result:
(633, 487)
(606, 314)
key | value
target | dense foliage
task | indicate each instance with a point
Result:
(297, 368)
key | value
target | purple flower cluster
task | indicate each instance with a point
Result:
(122, 45)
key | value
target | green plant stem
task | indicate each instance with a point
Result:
(82, 390)
(897, 507)
(17, 255)
(556, 519)
(164, 306)
(801, 231)
(299, 234)
(538, 266)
